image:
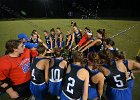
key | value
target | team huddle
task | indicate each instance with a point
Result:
(84, 66)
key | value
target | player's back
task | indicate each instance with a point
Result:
(73, 85)
(117, 86)
(56, 74)
(92, 88)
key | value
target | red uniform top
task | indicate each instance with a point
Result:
(83, 40)
(16, 68)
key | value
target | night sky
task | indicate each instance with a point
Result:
(69, 8)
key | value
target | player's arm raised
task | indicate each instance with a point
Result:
(92, 44)
(132, 64)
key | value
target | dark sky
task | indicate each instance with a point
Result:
(69, 8)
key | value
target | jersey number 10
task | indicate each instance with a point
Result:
(55, 74)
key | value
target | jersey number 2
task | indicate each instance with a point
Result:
(70, 85)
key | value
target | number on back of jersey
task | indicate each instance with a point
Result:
(129, 76)
(119, 82)
(33, 72)
(70, 85)
(55, 74)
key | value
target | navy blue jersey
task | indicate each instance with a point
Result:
(56, 73)
(33, 41)
(92, 88)
(58, 38)
(117, 86)
(53, 38)
(58, 41)
(96, 48)
(38, 76)
(116, 79)
(92, 73)
(38, 86)
(47, 38)
(67, 37)
(73, 86)
(130, 78)
(78, 36)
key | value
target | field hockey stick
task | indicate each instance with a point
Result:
(122, 32)
(137, 56)
(138, 52)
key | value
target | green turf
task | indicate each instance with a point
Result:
(128, 42)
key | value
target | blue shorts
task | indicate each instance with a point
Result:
(118, 94)
(92, 93)
(39, 91)
(65, 97)
(55, 88)
(62, 45)
(131, 84)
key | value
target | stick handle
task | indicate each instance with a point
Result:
(138, 52)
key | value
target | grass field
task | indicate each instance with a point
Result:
(129, 42)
